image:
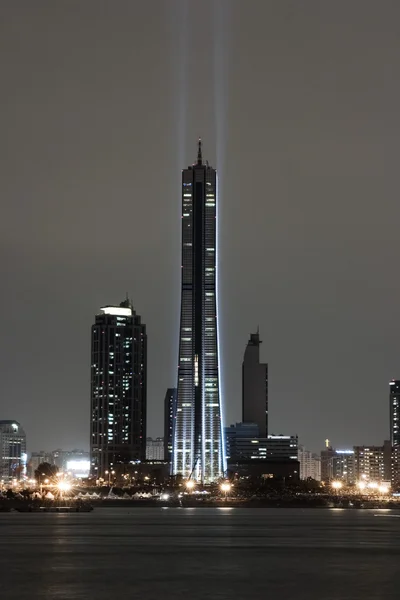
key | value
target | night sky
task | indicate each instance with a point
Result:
(298, 107)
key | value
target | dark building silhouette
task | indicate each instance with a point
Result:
(255, 386)
(198, 438)
(169, 421)
(118, 388)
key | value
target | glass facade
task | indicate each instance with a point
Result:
(198, 441)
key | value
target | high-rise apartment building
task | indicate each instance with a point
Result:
(344, 467)
(169, 422)
(310, 464)
(255, 386)
(371, 463)
(12, 450)
(155, 449)
(118, 388)
(395, 431)
(198, 438)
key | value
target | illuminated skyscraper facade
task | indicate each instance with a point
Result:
(198, 437)
(169, 422)
(118, 388)
(395, 431)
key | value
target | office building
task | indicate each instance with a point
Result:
(12, 451)
(394, 386)
(310, 464)
(118, 388)
(255, 386)
(169, 422)
(155, 449)
(283, 446)
(198, 438)
(243, 442)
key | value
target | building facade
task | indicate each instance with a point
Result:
(394, 386)
(12, 451)
(255, 386)
(169, 422)
(198, 437)
(118, 388)
(343, 466)
(310, 464)
(243, 442)
(155, 449)
(371, 463)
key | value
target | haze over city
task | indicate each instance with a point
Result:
(298, 112)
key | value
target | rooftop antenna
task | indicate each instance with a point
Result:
(199, 153)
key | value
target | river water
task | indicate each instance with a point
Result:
(201, 553)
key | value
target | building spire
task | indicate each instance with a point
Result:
(199, 154)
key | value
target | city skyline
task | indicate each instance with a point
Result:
(305, 144)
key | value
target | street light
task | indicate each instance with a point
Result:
(190, 484)
(225, 487)
(337, 485)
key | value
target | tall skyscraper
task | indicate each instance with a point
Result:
(395, 412)
(12, 450)
(169, 422)
(395, 431)
(255, 386)
(198, 438)
(118, 388)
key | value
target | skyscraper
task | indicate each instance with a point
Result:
(255, 386)
(118, 388)
(198, 438)
(169, 422)
(395, 431)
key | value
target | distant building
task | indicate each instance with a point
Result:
(38, 458)
(118, 388)
(169, 422)
(12, 450)
(76, 462)
(255, 386)
(343, 466)
(265, 468)
(283, 446)
(395, 432)
(243, 442)
(155, 449)
(371, 463)
(327, 455)
(310, 464)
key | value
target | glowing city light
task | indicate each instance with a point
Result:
(337, 485)
(190, 484)
(64, 486)
(225, 487)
